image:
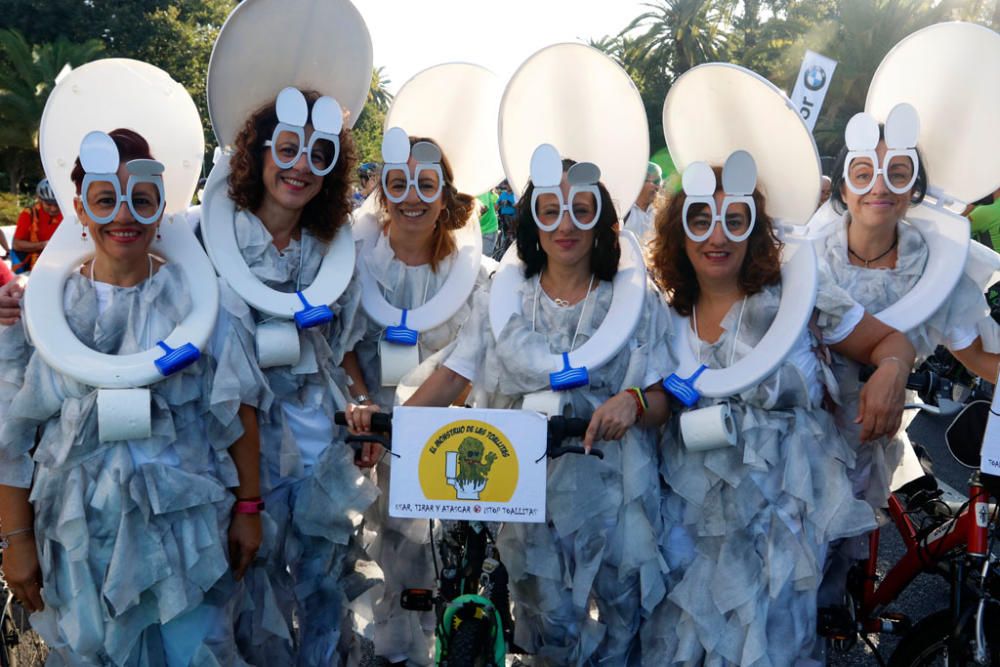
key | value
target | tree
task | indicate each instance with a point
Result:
(680, 34)
(27, 78)
(175, 35)
(367, 132)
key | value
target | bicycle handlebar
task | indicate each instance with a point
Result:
(928, 384)
(559, 429)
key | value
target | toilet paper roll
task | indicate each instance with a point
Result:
(708, 428)
(549, 403)
(397, 360)
(123, 414)
(277, 344)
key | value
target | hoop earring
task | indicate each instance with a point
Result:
(538, 247)
(595, 241)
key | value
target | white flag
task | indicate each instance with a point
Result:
(811, 86)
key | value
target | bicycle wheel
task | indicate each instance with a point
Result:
(8, 635)
(470, 645)
(929, 643)
(22, 647)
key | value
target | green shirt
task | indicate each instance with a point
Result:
(986, 224)
(488, 221)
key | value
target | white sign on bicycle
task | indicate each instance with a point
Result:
(468, 464)
(990, 461)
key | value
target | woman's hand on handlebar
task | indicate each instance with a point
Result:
(611, 420)
(359, 421)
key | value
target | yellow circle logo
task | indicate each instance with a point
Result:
(468, 460)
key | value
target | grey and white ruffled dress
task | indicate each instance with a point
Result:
(599, 542)
(956, 324)
(746, 527)
(401, 546)
(131, 535)
(311, 563)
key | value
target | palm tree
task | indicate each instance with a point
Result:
(858, 37)
(378, 93)
(25, 83)
(680, 34)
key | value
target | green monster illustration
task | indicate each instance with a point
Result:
(472, 470)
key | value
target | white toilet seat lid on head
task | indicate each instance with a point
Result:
(452, 295)
(218, 230)
(105, 95)
(614, 332)
(799, 280)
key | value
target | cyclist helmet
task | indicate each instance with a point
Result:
(366, 170)
(44, 191)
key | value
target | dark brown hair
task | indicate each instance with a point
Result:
(672, 270)
(458, 206)
(603, 258)
(131, 146)
(328, 210)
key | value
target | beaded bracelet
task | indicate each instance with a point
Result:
(640, 402)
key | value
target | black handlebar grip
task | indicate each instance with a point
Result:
(381, 421)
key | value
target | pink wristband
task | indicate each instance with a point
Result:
(248, 506)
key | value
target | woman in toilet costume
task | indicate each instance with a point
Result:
(130, 515)
(275, 221)
(570, 281)
(420, 260)
(755, 477)
(893, 246)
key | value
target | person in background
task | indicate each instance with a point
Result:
(985, 219)
(824, 189)
(35, 226)
(367, 179)
(506, 212)
(488, 222)
(639, 219)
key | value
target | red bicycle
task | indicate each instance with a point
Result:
(952, 539)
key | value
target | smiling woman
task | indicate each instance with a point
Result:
(259, 184)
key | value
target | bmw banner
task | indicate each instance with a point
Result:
(811, 86)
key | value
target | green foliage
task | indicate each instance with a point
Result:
(27, 77)
(771, 37)
(175, 35)
(368, 130)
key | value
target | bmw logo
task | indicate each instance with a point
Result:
(815, 77)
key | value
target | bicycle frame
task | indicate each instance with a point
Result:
(969, 532)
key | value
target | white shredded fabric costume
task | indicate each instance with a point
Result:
(746, 527)
(401, 546)
(311, 565)
(961, 318)
(599, 541)
(131, 535)
(954, 324)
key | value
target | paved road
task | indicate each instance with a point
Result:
(928, 592)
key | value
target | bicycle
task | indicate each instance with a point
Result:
(951, 539)
(474, 627)
(20, 646)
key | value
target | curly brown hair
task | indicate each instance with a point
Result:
(328, 210)
(672, 270)
(458, 206)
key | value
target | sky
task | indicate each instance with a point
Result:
(411, 35)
